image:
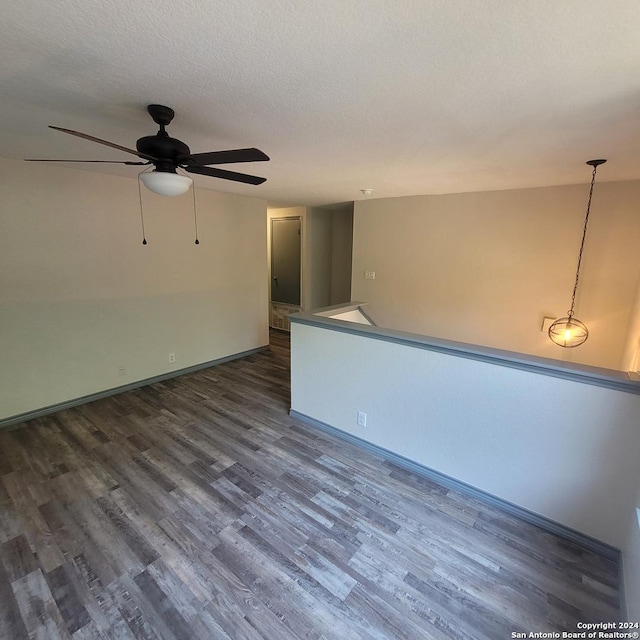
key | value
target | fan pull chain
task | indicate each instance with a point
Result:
(144, 237)
(195, 215)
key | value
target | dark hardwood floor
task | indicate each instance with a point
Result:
(198, 509)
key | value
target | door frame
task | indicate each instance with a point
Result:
(271, 221)
(280, 309)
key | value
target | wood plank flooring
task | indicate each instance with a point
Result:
(198, 509)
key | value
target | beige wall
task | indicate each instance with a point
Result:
(486, 267)
(631, 358)
(80, 297)
(318, 247)
(341, 255)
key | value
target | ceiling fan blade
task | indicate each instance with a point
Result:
(226, 175)
(224, 157)
(101, 161)
(104, 142)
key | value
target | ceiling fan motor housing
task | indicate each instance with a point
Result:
(168, 150)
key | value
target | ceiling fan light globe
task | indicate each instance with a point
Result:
(166, 184)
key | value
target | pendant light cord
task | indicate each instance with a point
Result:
(584, 235)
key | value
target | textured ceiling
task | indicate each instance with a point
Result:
(404, 97)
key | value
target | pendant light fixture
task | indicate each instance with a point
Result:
(569, 331)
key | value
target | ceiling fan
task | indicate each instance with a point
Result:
(168, 154)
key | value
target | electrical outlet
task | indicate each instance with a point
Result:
(369, 275)
(122, 371)
(172, 358)
(362, 419)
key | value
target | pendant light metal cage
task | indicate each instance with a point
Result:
(568, 332)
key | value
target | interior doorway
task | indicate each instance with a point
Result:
(285, 260)
(309, 259)
(286, 269)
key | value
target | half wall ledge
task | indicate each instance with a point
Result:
(332, 318)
